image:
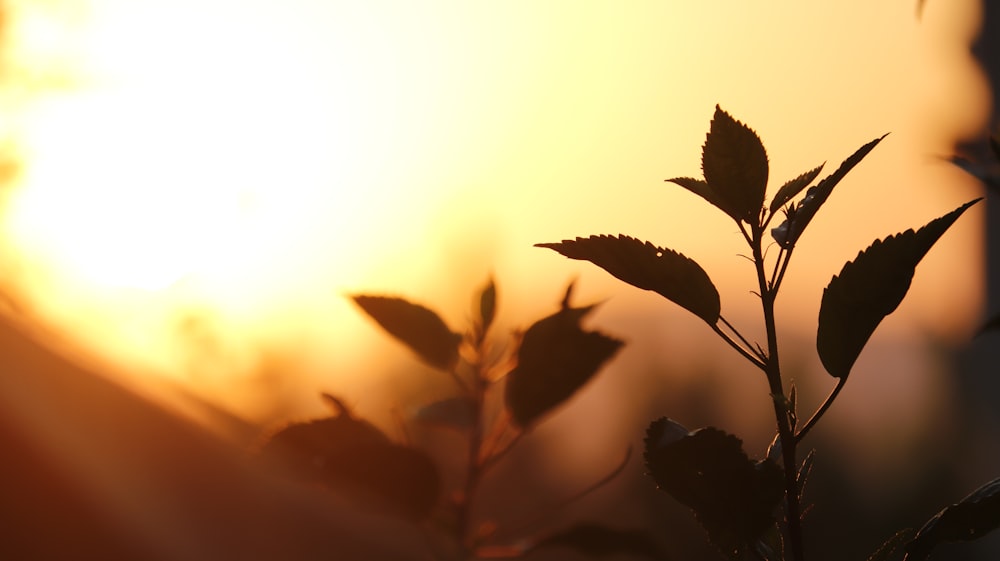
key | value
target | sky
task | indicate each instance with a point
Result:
(197, 186)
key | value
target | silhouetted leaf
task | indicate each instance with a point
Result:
(597, 540)
(891, 545)
(702, 189)
(870, 288)
(734, 162)
(555, 359)
(351, 456)
(417, 327)
(707, 470)
(794, 187)
(455, 412)
(975, 516)
(643, 265)
(799, 215)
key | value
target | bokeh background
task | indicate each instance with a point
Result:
(192, 190)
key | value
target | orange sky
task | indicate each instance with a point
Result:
(198, 192)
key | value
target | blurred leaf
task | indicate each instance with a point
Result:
(870, 288)
(417, 327)
(891, 545)
(734, 162)
(794, 187)
(555, 359)
(352, 456)
(991, 325)
(799, 216)
(487, 307)
(733, 498)
(975, 516)
(643, 265)
(456, 412)
(995, 146)
(597, 540)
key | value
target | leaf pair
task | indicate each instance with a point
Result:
(555, 356)
(350, 455)
(707, 470)
(800, 214)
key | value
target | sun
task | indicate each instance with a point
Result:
(181, 142)
(205, 159)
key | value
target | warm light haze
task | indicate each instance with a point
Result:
(199, 183)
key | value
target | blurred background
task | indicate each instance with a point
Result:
(191, 190)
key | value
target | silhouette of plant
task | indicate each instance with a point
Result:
(736, 499)
(537, 371)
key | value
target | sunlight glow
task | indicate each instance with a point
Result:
(202, 181)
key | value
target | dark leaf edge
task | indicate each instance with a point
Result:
(670, 274)
(793, 187)
(857, 299)
(973, 517)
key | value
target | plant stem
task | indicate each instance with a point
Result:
(822, 409)
(474, 469)
(786, 433)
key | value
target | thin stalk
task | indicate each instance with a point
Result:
(749, 355)
(741, 338)
(776, 282)
(822, 409)
(474, 471)
(785, 432)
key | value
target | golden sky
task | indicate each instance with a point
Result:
(202, 181)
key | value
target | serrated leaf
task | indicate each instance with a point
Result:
(735, 166)
(800, 215)
(891, 545)
(732, 497)
(351, 456)
(701, 188)
(555, 359)
(415, 326)
(644, 265)
(870, 288)
(455, 412)
(975, 516)
(598, 540)
(793, 187)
